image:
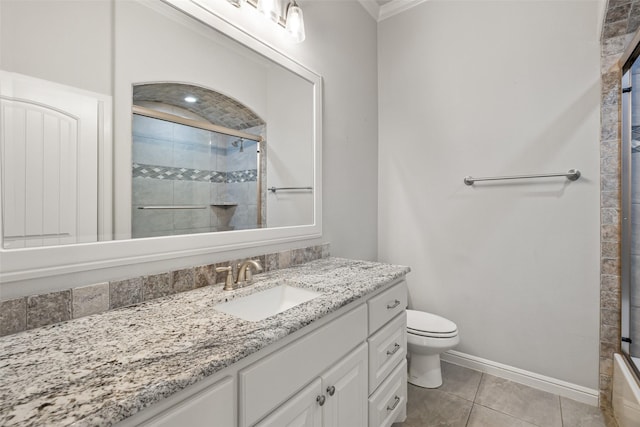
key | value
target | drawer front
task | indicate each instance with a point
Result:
(273, 379)
(213, 406)
(387, 305)
(387, 348)
(389, 403)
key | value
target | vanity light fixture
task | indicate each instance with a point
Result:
(293, 21)
(190, 99)
(268, 9)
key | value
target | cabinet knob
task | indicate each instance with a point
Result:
(395, 403)
(320, 399)
(394, 305)
(331, 390)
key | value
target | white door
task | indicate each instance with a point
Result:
(49, 162)
(302, 410)
(345, 386)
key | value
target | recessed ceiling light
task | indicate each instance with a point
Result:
(190, 99)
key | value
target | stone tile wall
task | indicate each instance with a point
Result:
(622, 19)
(34, 311)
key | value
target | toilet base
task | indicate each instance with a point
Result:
(425, 370)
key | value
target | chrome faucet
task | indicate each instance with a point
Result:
(244, 271)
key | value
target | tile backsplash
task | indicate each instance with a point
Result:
(34, 311)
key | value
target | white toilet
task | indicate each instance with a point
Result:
(428, 335)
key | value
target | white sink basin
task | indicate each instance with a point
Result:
(266, 303)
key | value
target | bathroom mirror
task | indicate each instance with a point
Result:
(91, 73)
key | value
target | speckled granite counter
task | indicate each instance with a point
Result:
(100, 369)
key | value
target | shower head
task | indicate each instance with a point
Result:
(240, 142)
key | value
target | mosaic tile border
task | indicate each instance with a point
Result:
(141, 170)
(35, 311)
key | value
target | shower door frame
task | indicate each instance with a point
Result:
(627, 60)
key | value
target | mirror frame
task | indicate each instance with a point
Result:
(32, 263)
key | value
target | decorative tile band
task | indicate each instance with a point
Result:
(35, 311)
(141, 170)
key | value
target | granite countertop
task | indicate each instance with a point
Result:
(101, 369)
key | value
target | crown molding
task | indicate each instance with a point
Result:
(380, 13)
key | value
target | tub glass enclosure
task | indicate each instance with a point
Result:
(631, 211)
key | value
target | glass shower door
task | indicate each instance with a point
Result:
(630, 315)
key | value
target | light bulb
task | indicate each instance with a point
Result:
(268, 8)
(295, 22)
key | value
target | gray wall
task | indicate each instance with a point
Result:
(496, 88)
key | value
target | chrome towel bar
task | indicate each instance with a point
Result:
(274, 189)
(571, 175)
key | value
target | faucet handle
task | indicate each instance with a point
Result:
(228, 282)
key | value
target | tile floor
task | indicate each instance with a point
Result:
(469, 398)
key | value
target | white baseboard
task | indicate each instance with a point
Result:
(531, 379)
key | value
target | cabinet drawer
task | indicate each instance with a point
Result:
(389, 403)
(270, 381)
(386, 306)
(387, 348)
(215, 405)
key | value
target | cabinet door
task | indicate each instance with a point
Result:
(345, 388)
(302, 410)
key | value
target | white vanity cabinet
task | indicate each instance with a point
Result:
(336, 398)
(347, 369)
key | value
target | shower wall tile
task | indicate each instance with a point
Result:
(152, 191)
(192, 156)
(610, 216)
(156, 286)
(13, 316)
(152, 128)
(90, 299)
(152, 151)
(609, 249)
(148, 223)
(610, 199)
(610, 267)
(192, 219)
(610, 233)
(125, 292)
(48, 308)
(191, 193)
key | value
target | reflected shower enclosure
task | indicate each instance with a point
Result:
(190, 179)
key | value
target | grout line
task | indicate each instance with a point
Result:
(561, 415)
(475, 396)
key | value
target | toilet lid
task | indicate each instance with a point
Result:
(427, 324)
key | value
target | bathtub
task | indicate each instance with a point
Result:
(626, 394)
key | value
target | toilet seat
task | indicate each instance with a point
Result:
(430, 325)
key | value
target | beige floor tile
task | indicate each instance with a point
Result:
(576, 414)
(519, 401)
(434, 408)
(460, 381)
(486, 417)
